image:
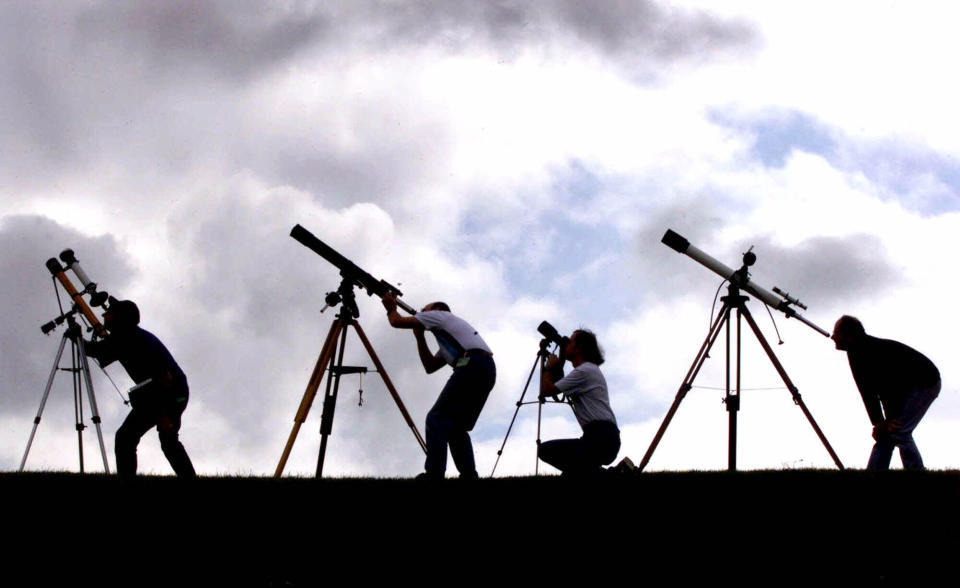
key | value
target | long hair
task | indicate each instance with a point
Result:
(589, 347)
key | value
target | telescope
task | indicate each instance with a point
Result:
(90, 287)
(741, 278)
(351, 273)
(59, 273)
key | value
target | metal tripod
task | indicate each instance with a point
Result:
(541, 360)
(345, 319)
(80, 369)
(733, 300)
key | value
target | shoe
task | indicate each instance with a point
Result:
(625, 466)
(428, 477)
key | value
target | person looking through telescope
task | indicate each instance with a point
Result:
(586, 388)
(160, 396)
(897, 384)
(457, 408)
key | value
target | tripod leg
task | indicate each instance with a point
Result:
(790, 386)
(77, 400)
(519, 404)
(330, 399)
(702, 356)
(91, 397)
(310, 393)
(43, 401)
(386, 380)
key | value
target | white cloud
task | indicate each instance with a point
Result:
(441, 151)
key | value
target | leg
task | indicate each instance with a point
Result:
(603, 443)
(168, 429)
(128, 437)
(454, 414)
(462, 451)
(570, 456)
(915, 406)
(438, 434)
(881, 453)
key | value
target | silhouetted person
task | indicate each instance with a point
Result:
(159, 403)
(586, 389)
(457, 408)
(897, 384)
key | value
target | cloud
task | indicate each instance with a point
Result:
(26, 242)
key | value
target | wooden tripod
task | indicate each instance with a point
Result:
(338, 330)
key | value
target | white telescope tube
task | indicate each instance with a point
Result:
(681, 245)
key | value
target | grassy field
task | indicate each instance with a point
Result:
(769, 528)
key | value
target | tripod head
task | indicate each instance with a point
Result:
(345, 295)
(69, 317)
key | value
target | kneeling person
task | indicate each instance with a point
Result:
(586, 389)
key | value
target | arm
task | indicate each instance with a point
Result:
(552, 373)
(389, 301)
(431, 362)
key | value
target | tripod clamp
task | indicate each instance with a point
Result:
(343, 294)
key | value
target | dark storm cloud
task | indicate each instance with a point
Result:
(826, 272)
(159, 87)
(26, 242)
(628, 32)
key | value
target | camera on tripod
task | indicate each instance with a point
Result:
(550, 333)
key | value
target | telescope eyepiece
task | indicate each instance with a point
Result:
(67, 256)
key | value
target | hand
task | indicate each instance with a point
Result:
(552, 362)
(389, 302)
(893, 425)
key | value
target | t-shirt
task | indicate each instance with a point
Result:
(140, 353)
(586, 388)
(454, 335)
(885, 372)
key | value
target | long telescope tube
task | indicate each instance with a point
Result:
(681, 245)
(58, 272)
(347, 268)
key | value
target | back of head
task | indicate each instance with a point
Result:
(589, 347)
(850, 327)
(125, 312)
(439, 306)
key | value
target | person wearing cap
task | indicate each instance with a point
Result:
(457, 408)
(160, 396)
(898, 384)
(586, 390)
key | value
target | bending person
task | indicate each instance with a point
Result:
(457, 408)
(897, 384)
(586, 389)
(160, 397)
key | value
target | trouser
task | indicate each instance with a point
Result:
(598, 447)
(140, 420)
(455, 413)
(915, 406)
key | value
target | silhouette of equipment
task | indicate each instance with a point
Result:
(735, 300)
(80, 365)
(550, 336)
(331, 354)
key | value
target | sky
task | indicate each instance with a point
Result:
(518, 160)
